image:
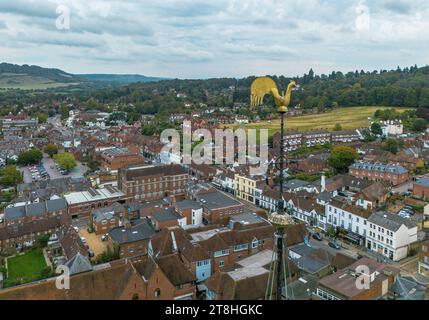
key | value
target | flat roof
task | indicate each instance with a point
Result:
(257, 260)
(244, 273)
(107, 192)
(217, 199)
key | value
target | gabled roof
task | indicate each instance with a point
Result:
(78, 264)
(139, 231)
(101, 284)
(175, 270)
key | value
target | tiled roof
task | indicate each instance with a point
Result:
(379, 167)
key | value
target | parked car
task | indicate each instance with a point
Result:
(105, 237)
(317, 236)
(334, 244)
(76, 229)
(90, 253)
(90, 230)
(83, 240)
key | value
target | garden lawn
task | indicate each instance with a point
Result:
(349, 118)
(26, 267)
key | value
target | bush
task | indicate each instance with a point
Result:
(108, 255)
(42, 241)
(47, 272)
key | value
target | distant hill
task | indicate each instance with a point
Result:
(14, 76)
(30, 77)
(120, 78)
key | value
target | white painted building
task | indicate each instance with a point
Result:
(392, 128)
(345, 215)
(390, 235)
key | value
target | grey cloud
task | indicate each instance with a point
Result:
(399, 7)
(38, 8)
(229, 37)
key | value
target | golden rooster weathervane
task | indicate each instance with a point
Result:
(265, 85)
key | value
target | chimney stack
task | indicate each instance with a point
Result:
(323, 182)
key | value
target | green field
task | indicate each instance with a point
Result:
(26, 267)
(348, 118)
(27, 82)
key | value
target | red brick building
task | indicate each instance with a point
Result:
(217, 206)
(153, 182)
(165, 278)
(396, 174)
(81, 204)
(421, 188)
(26, 222)
(115, 158)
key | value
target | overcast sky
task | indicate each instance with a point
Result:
(215, 38)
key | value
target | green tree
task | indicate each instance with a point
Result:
(342, 157)
(43, 117)
(64, 112)
(66, 160)
(10, 176)
(419, 124)
(51, 149)
(332, 232)
(367, 136)
(376, 129)
(338, 127)
(29, 157)
(391, 145)
(42, 240)
(93, 165)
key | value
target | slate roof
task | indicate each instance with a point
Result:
(78, 264)
(407, 289)
(295, 184)
(379, 167)
(423, 182)
(188, 204)
(139, 231)
(166, 214)
(312, 260)
(216, 200)
(390, 221)
(302, 288)
(107, 213)
(35, 209)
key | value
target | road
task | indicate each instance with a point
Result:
(324, 245)
(27, 174)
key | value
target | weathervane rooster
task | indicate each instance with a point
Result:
(265, 85)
